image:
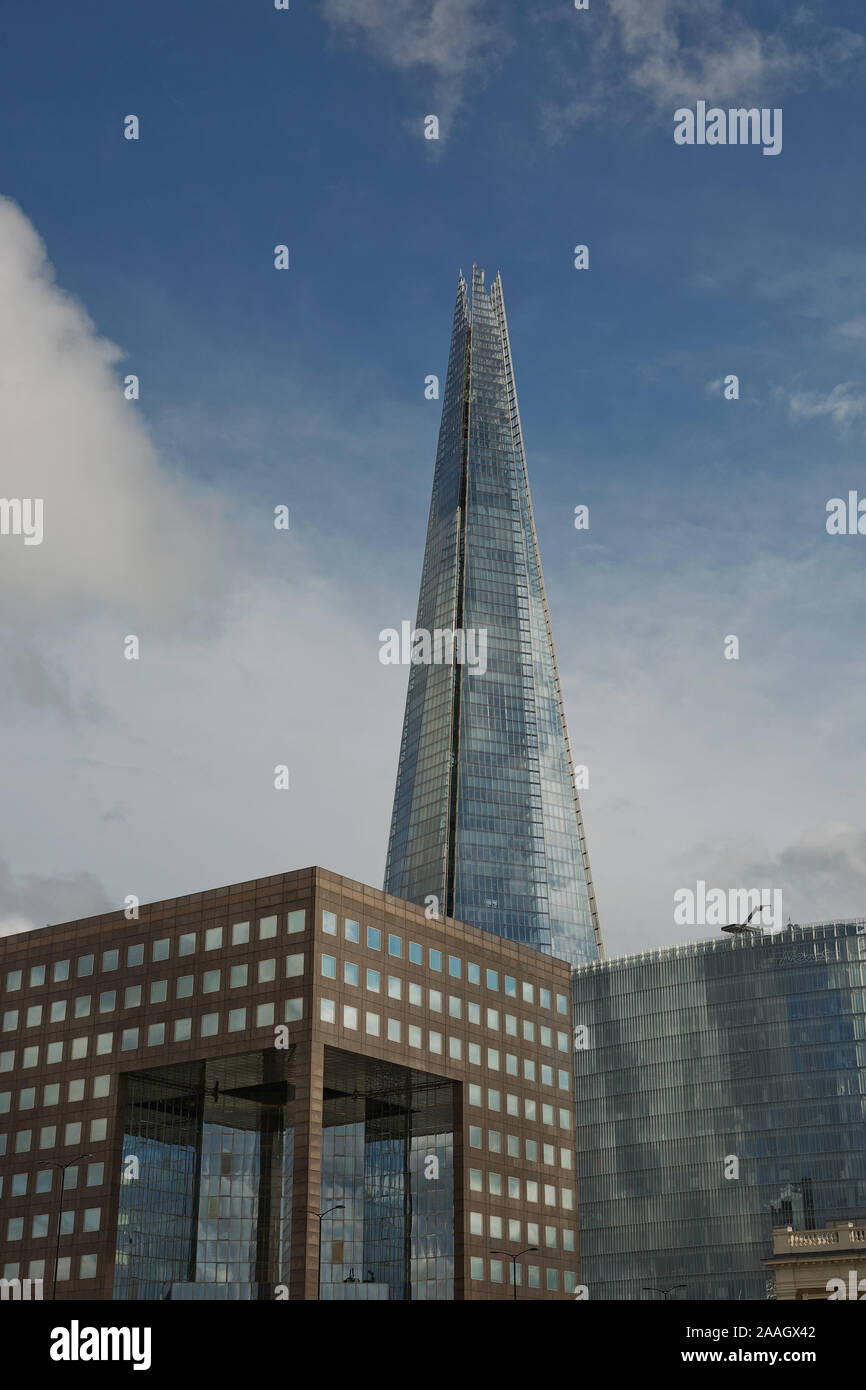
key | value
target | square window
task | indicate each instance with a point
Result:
(373, 981)
(51, 1094)
(529, 1109)
(393, 1030)
(329, 923)
(237, 1020)
(240, 933)
(238, 976)
(511, 1064)
(264, 1015)
(326, 1010)
(416, 994)
(61, 971)
(476, 1223)
(329, 967)
(297, 920)
(161, 948)
(547, 1114)
(34, 1015)
(528, 1030)
(87, 1267)
(23, 1139)
(108, 1001)
(91, 1219)
(493, 1100)
(495, 1227)
(374, 939)
(512, 1104)
(350, 1016)
(158, 991)
(293, 1010)
(474, 1137)
(54, 1052)
(493, 1059)
(493, 1019)
(110, 961)
(128, 1039)
(72, 1132)
(135, 955)
(435, 959)
(371, 1025)
(455, 1049)
(183, 988)
(473, 1012)
(75, 1091)
(454, 967)
(182, 1029)
(37, 975)
(156, 1035)
(544, 998)
(494, 1141)
(10, 1020)
(210, 981)
(476, 1183)
(58, 1011)
(435, 1000)
(528, 993)
(415, 1039)
(416, 953)
(455, 1006)
(552, 1278)
(510, 986)
(494, 1184)
(186, 944)
(27, 1098)
(473, 973)
(30, 1055)
(213, 938)
(104, 1043)
(395, 946)
(394, 987)
(476, 1267)
(492, 979)
(268, 928)
(13, 980)
(436, 1042)
(95, 1174)
(514, 1230)
(353, 931)
(7, 1061)
(209, 1025)
(531, 1191)
(268, 970)
(132, 997)
(496, 1271)
(561, 1004)
(528, 1069)
(474, 1095)
(475, 1054)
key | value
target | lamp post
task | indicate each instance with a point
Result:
(514, 1259)
(62, 1166)
(320, 1216)
(671, 1288)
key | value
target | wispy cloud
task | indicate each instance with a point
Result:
(667, 53)
(452, 39)
(845, 404)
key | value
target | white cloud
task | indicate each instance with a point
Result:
(117, 529)
(454, 39)
(842, 406)
(29, 901)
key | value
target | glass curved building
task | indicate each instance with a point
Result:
(721, 1091)
(486, 815)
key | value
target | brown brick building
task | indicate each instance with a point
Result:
(210, 1078)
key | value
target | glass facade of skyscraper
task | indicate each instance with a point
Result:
(721, 1092)
(486, 814)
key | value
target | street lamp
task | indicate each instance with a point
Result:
(62, 1166)
(320, 1216)
(671, 1288)
(514, 1259)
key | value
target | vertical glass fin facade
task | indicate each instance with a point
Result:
(722, 1092)
(486, 815)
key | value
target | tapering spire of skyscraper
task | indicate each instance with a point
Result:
(486, 816)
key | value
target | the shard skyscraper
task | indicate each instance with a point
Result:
(486, 814)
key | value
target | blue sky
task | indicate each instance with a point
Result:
(305, 127)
